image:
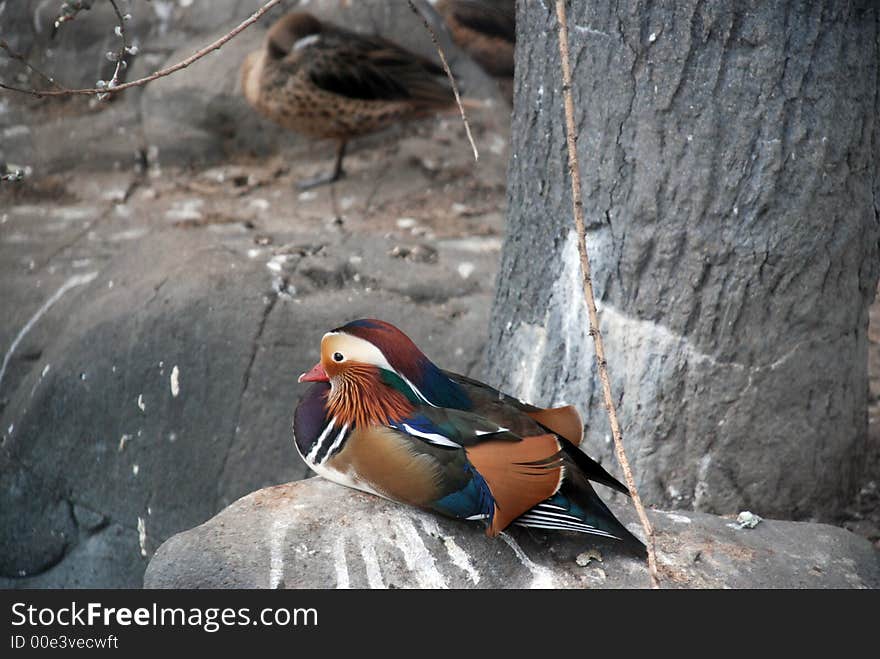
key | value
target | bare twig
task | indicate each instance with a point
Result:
(215, 45)
(578, 208)
(69, 11)
(467, 126)
(123, 46)
(21, 58)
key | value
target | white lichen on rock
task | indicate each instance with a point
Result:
(175, 381)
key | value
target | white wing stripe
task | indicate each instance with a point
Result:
(557, 516)
(552, 518)
(434, 438)
(549, 506)
(557, 527)
(480, 433)
(540, 521)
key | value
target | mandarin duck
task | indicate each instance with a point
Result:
(382, 418)
(327, 82)
(486, 30)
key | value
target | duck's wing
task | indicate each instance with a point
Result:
(562, 421)
(486, 29)
(370, 68)
(458, 464)
(452, 428)
(494, 19)
(507, 474)
(579, 509)
(509, 479)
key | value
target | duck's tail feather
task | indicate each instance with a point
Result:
(591, 469)
(582, 511)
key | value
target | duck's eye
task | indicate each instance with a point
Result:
(337, 357)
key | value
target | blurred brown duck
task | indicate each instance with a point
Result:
(323, 81)
(486, 30)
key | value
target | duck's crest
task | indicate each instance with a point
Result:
(404, 356)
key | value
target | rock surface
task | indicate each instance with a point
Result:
(316, 534)
(155, 323)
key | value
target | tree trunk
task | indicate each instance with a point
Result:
(729, 163)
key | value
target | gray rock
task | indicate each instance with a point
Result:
(154, 328)
(729, 164)
(109, 557)
(106, 140)
(104, 421)
(37, 523)
(87, 519)
(316, 534)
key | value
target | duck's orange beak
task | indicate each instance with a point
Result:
(317, 374)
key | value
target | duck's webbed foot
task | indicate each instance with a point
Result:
(332, 177)
(322, 179)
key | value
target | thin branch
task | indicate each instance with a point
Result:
(69, 12)
(123, 46)
(578, 209)
(21, 58)
(215, 45)
(467, 126)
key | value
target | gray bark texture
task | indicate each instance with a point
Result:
(729, 167)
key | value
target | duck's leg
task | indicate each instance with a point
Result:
(333, 176)
(337, 166)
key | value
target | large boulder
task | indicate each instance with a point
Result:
(153, 331)
(316, 534)
(157, 401)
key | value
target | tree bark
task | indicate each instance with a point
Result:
(729, 158)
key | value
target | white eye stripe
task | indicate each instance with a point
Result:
(357, 349)
(360, 350)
